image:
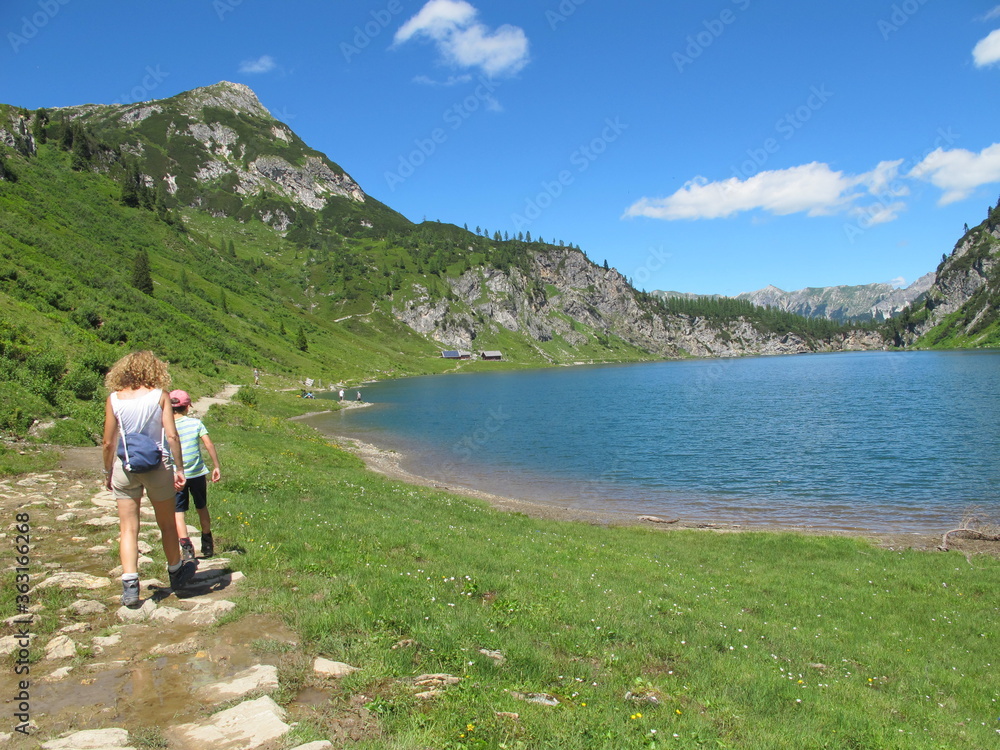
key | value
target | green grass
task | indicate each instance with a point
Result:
(748, 640)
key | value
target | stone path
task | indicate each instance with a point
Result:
(178, 670)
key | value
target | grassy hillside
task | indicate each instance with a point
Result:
(226, 297)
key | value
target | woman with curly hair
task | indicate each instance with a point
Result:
(139, 403)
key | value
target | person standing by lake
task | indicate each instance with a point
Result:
(139, 403)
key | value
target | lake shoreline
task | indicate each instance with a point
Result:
(389, 463)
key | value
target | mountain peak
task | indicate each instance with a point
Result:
(236, 97)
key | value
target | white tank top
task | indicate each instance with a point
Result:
(142, 414)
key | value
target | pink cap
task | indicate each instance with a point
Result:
(180, 398)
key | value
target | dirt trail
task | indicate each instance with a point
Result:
(103, 666)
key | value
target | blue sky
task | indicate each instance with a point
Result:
(710, 146)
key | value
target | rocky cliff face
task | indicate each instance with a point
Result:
(969, 276)
(568, 298)
(222, 137)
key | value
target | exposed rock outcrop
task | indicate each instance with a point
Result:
(563, 295)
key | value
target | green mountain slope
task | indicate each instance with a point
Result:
(962, 308)
(202, 228)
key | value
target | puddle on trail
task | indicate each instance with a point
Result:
(126, 686)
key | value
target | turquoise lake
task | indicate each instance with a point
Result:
(876, 441)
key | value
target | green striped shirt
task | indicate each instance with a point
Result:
(190, 431)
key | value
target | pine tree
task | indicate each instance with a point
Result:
(142, 278)
(185, 285)
(605, 264)
(38, 126)
(130, 183)
(300, 340)
(223, 303)
(81, 150)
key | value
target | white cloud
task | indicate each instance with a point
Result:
(812, 188)
(991, 14)
(958, 172)
(464, 42)
(262, 64)
(987, 51)
(449, 81)
(878, 213)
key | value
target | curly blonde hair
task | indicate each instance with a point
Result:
(138, 370)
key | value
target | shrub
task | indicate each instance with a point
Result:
(19, 407)
(82, 382)
(247, 397)
(68, 432)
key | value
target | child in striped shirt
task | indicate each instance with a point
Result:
(190, 430)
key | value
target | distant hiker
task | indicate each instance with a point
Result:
(358, 399)
(341, 394)
(190, 429)
(138, 420)
(256, 376)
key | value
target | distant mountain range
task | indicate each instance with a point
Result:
(841, 303)
(844, 303)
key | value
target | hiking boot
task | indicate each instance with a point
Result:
(207, 545)
(187, 550)
(182, 576)
(130, 593)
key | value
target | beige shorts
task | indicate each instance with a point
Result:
(158, 483)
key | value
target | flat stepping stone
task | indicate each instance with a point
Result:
(102, 521)
(247, 726)
(330, 668)
(69, 580)
(256, 678)
(206, 613)
(103, 501)
(84, 607)
(317, 745)
(186, 646)
(90, 739)
(137, 614)
(11, 643)
(436, 680)
(60, 647)
(166, 614)
(57, 674)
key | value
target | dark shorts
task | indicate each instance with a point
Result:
(196, 487)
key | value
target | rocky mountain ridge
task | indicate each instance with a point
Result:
(878, 301)
(582, 298)
(964, 303)
(861, 302)
(221, 139)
